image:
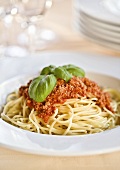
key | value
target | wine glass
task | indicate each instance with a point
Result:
(33, 12)
(11, 32)
(23, 33)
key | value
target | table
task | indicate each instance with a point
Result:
(68, 40)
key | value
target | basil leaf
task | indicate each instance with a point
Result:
(48, 70)
(62, 73)
(33, 86)
(68, 66)
(41, 87)
(74, 70)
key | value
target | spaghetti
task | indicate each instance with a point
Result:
(78, 114)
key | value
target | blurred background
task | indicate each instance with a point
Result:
(32, 26)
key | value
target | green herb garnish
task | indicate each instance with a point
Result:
(42, 86)
(62, 73)
(74, 70)
(48, 70)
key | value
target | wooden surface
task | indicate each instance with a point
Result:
(60, 19)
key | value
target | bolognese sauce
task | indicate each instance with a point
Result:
(77, 87)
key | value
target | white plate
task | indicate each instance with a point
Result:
(100, 33)
(92, 24)
(92, 36)
(97, 9)
(113, 6)
(102, 25)
(21, 140)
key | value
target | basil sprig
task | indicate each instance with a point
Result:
(62, 73)
(41, 87)
(74, 70)
(48, 70)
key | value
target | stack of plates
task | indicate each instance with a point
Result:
(99, 20)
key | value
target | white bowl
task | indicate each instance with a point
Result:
(30, 142)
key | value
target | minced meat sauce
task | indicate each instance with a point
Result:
(75, 88)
